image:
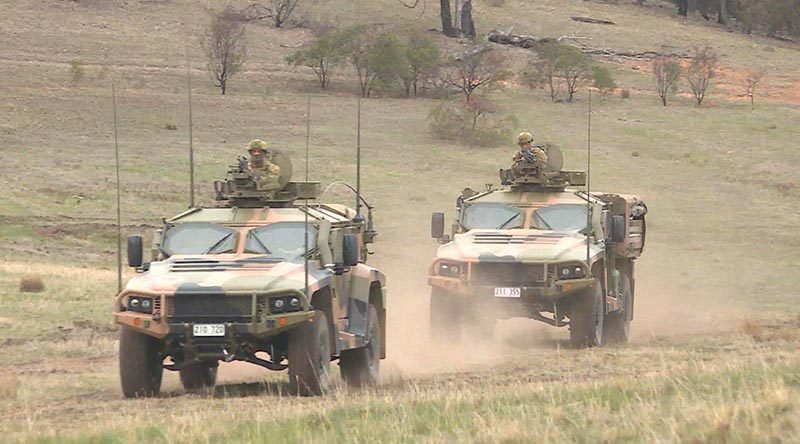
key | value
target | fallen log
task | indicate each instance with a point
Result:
(593, 21)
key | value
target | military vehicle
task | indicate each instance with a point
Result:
(259, 277)
(538, 247)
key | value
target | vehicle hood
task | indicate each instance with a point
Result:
(518, 245)
(228, 274)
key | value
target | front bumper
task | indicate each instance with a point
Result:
(547, 293)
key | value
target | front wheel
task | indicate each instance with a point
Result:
(140, 364)
(310, 356)
(618, 324)
(586, 317)
(361, 367)
(446, 316)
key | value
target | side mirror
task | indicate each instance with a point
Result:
(617, 228)
(437, 225)
(350, 252)
(135, 251)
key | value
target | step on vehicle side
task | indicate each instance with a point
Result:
(538, 248)
(228, 283)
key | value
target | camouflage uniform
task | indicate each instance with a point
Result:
(528, 152)
(265, 173)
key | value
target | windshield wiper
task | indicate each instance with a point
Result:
(219, 242)
(266, 250)
(539, 218)
(503, 225)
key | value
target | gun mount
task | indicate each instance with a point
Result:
(242, 189)
(527, 175)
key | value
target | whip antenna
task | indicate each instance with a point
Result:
(589, 178)
(119, 211)
(191, 142)
(358, 157)
(308, 142)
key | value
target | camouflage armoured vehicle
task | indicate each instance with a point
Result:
(229, 283)
(538, 248)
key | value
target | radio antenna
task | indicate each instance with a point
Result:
(589, 178)
(308, 143)
(358, 157)
(191, 141)
(119, 211)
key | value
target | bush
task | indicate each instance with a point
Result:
(602, 79)
(625, 93)
(475, 122)
(76, 71)
(31, 284)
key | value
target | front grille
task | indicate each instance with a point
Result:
(209, 308)
(503, 239)
(508, 274)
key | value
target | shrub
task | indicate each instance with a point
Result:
(625, 93)
(475, 122)
(76, 71)
(31, 284)
(602, 79)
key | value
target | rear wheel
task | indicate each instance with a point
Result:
(310, 356)
(446, 316)
(361, 367)
(618, 323)
(198, 376)
(586, 317)
(140, 364)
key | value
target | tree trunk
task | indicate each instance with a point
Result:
(467, 25)
(683, 7)
(722, 17)
(447, 19)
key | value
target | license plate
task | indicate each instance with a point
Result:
(507, 292)
(209, 329)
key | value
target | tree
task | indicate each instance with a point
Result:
(386, 59)
(282, 11)
(573, 66)
(702, 68)
(666, 72)
(543, 72)
(602, 79)
(753, 78)
(422, 58)
(447, 19)
(328, 51)
(225, 44)
(478, 66)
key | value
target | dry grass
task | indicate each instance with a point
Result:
(8, 387)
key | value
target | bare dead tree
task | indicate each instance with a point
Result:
(225, 44)
(282, 11)
(753, 78)
(477, 67)
(702, 68)
(666, 72)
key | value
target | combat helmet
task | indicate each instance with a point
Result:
(524, 137)
(256, 144)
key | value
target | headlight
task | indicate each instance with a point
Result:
(140, 304)
(571, 271)
(285, 304)
(450, 269)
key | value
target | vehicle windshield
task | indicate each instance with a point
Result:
(492, 216)
(198, 238)
(561, 217)
(283, 239)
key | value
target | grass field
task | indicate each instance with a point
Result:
(714, 356)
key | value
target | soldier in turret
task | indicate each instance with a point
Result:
(528, 152)
(265, 173)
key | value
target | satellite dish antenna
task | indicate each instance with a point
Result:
(282, 160)
(554, 157)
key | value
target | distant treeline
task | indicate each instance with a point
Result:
(775, 18)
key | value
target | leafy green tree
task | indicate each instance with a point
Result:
(602, 79)
(328, 51)
(572, 66)
(666, 72)
(386, 59)
(423, 58)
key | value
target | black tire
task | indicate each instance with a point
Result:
(310, 356)
(199, 376)
(140, 364)
(618, 323)
(446, 316)
(586, 317)
(361, 366)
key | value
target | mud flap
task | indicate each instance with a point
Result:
(357, 319)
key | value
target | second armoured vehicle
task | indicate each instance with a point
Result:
(258, 278)
(539, 248)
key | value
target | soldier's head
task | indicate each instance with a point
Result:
(257, 149)
(525, 140)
